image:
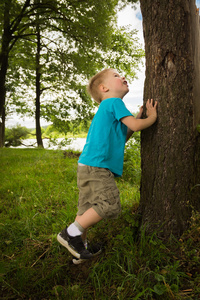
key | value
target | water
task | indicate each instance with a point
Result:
(76, 144)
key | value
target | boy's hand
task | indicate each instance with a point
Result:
(139, 115)
(135, 124)
(151, 108)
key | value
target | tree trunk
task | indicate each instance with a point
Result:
(38, 78)
(2, 128)
(3, 71)
(170, 149)
(6, 38)
(9, 28)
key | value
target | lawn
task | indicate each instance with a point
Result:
(38, 198)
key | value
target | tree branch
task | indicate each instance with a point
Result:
(15, 23)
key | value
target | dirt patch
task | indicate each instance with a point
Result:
(71, 154)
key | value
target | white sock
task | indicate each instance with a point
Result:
(75, 229)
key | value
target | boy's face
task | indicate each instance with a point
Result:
(117, 86)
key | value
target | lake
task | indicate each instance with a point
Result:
(76, 144)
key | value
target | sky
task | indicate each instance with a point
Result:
(134, 99)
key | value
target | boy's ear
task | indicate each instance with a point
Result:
(103, 88)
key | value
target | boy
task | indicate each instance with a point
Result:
(102, 158)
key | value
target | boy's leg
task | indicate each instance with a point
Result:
(72, 237)
(74, 244)
(95, 185)
(89, 218)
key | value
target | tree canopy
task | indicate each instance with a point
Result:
(77, 39)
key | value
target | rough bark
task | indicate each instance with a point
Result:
(6, 38)
(7, 42)
(38, 79)
(170, 149)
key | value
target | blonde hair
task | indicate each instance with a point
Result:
(93, 85)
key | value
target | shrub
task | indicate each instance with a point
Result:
(132, 159)
(15, 135)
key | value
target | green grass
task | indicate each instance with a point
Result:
(38, 197)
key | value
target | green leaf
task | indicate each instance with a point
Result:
(159, 277)
(160, 289)
(174, 288)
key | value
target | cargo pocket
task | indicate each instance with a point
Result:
(111, 196)
(110, 204)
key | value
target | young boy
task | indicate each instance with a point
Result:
(102, 158)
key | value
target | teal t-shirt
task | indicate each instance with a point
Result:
(106, 137)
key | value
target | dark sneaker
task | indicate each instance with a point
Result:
(94, 249)
(74, 245)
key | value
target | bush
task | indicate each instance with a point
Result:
(132, 160)
(15, 135)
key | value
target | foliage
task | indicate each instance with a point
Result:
(15, 135)
(132, 159)
(38, 196)
(76, 129)
(73, 48)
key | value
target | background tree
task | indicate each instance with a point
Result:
(8, 26)
(72, 47)
(171, 148)
(37, 79)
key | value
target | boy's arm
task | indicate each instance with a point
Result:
(129, 131)
(139, 124)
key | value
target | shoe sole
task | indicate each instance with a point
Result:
(66, 245)
(81, 260)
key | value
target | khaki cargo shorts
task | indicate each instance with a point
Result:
(97, 189)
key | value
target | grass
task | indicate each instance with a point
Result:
(38, 197)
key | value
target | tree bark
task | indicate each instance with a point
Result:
(6, 38)
(38, 78)
(9, 28)
(170, 149)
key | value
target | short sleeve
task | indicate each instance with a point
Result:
(120, 110)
